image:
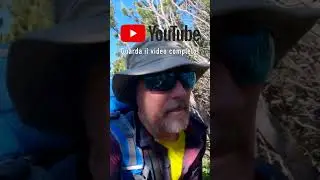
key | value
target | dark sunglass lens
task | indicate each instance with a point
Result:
(160, 82)
(249, 57)
(188, 79)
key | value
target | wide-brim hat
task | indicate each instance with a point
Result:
(41, 62)
(124, 82)
(287, 24)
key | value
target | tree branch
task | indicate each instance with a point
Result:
(183, 10)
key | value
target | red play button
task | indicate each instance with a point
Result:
(133, 33)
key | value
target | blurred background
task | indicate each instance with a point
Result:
(288, 118)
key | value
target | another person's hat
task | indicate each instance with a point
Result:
(124, 83)
(287, 24)
(44, 66)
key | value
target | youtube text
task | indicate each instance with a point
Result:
(174, 34)
(158, 51)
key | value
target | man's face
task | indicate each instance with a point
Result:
(95, 115)
(163, 112)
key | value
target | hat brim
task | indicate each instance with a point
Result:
(124, 84)
(287, 25)
(221, 8)
(85, 30)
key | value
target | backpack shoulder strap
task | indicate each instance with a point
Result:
(195, 115)
(124, 132)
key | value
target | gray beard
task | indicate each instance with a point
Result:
(166, 126)
(173, 126)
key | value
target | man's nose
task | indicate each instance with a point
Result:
(178, 90)
(227, 95)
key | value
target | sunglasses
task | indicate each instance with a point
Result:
(166, 81)
(248, 53)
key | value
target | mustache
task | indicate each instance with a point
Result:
(176, 105)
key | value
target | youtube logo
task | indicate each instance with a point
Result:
(133, 33)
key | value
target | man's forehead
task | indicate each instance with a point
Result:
(176, 69)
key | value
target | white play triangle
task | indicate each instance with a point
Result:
(132, 33)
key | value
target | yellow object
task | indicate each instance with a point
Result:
(175, 154)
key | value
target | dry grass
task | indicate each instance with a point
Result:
(202, 96)
(293, 97)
